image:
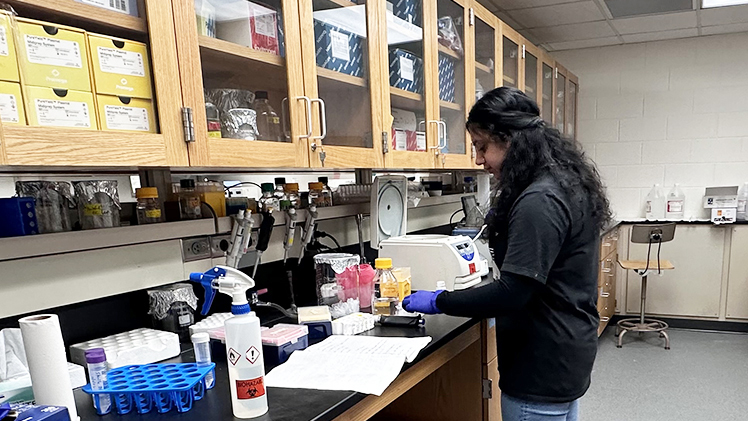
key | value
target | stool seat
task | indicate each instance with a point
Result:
(642, 264)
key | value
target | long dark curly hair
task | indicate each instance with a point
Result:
(534, 149)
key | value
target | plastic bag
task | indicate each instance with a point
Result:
(448, 35)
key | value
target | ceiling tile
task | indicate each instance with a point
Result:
(523, 4)
(724, 15)
(573, 32)
(656, 23)
(629, 8)
(585, 43)
(659, 36)
(561, 14)
(509, 20)
(724, 29)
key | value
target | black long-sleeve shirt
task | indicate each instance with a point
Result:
(502, 297)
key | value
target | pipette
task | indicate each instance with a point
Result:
(288, 239)
(263, 238)
(241, 235)
(309, 227)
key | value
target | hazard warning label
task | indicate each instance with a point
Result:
(250, 389)
(234, 356)
(252, 354)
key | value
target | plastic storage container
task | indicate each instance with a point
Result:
(54, 203)
(148, 207)
(268, 122)
(337, 282)
(201, 346)
(97, 369)
(98, 203)
(172, 309)
(281, 340)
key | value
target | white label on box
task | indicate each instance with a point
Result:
(53, 112)
(129, 63)
(406, 69)
(420, 141)
(126, 118)
(265, 25)
(724, 216)
(3, 42)
(9, 108)
(401, 140)
(53, 52)
(116, 5)
(340, 46)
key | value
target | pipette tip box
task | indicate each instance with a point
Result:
(139, 346)
(281, 340)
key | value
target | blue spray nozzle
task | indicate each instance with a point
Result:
(226, 280)
(206, 280)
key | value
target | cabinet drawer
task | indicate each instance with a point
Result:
(608, 244)
(607, 268)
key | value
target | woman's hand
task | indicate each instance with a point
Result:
(422, 302)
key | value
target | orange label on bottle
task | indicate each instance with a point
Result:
(250, 389)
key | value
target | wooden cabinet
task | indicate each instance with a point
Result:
(327, 68)
(548, 88)
(737, 281)
(606, 286)
(35, 146)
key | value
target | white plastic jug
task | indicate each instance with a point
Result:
(676, 201)
(655, 204)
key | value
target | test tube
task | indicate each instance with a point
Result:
(201, 345)
(97, 370)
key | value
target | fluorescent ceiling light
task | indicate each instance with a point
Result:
(705, 4)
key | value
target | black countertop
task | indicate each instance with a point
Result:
(289, 404)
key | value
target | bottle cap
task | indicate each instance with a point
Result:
(187, 183)
(147, 193)
(280, 181)
(468, 179)
(200, 338)
(267, 187)
(95, 355)
(383, 263)
(323, 180)
(261, 94)
(292, 187)
(316, 186)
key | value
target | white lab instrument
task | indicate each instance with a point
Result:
(139, 346)
(431, 258)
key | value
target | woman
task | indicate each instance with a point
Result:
(544, 230)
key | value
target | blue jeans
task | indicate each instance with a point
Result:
(520, 410)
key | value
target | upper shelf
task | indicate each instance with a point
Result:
(483, 68)
(225, 63)
(449, 52)
(401, 98)
(81, 12)
(219, 46)
(340, 77)
(450, 105)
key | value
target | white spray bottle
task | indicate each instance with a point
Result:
(243, 341)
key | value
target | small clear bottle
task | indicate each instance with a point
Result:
(148, 207)
(97, 369)
(292, 191)
(268, 122)
(385, 288)
(201, 346)
(316, 197)
(189, 200)
(268, 202)
(280, 193)
(326, 191)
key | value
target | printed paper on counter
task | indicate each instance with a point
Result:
(53, 112)
(3, 42)
(340, 46)
(53, 52)
(126, 118)
(9, 108)
(129, 63)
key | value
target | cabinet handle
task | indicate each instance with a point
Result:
(605, 319)
(284, 116)
(439, 123)
(607, 244)
(604, 294)
(443, 124)
(308, 103)
(323, 117)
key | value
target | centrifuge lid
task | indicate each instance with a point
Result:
(389, 208)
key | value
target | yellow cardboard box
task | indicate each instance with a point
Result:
(53, 56)
(11, 104)
(60, 108)
(120, 67)
(8, 58)
(125, 113)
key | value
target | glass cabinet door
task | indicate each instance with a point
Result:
(511, 45)
(546, 105)
(531, 57)
(339, 54)
(571, 111)
(411, 65)
(452, 83)
(251, 112)
(485, 56)
(560, 122)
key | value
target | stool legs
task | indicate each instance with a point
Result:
(642, 324)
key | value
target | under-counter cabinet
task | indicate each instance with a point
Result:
(45, 145)
(606, 286)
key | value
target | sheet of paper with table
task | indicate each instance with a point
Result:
(366, 364)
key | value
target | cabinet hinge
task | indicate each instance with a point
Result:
(385, 143)
(188, 124)
(524, 50)
(556, 73)
(471, 16)
(487, 389)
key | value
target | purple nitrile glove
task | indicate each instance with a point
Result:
(422, 302)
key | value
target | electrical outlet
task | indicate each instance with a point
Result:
(196, 249)
(219, 245)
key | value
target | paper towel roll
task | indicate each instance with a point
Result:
(48, 366)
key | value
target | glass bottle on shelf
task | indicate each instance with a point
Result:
(385, 288)
(189, 200)
(268, 202)
(292, 192)
(326, 190)
(316, 197)
(268, 122)
(280, 192)
(148, 208)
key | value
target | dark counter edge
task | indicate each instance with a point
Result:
(615, 224)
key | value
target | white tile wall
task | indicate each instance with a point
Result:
(664, 112)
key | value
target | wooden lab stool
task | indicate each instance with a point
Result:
(646, 234)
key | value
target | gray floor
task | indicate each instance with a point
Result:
(703, 377)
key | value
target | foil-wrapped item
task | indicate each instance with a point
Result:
(239, 123)
(98, 203)
(228, 99)
(161, 299)
(337, 261)
(54, 200)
